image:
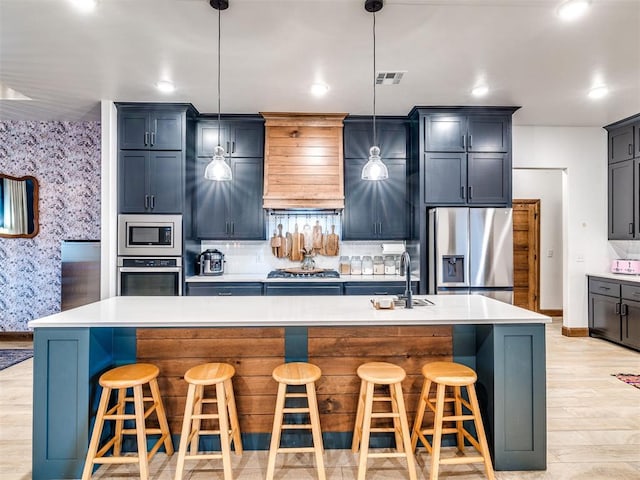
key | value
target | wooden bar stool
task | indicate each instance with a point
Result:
(218, 374)
(449, 374)
(296, 373)
(132, 376)
(381, 373)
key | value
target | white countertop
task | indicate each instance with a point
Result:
(617, 276)
(262, 277)
(278, 311)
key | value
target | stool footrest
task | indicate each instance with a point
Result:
(385, 415)
(295, 395)
(453, 418)
(206, 416)
(459, 460)
(124, 416)
(381, 429)
(103, 460)
(204, 456)
(296, 410)
(295, 426)
(296, 450)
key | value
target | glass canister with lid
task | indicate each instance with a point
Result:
(345, 266)
(356, 265)
(378, 265)
(389, 265)
(367, 265)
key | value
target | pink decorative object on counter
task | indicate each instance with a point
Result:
(629, 267)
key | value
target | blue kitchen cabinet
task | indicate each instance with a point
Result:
(302, 288)
(241, 136)
(223, 289)
(146, 128)
(375, 210)
(233, 209)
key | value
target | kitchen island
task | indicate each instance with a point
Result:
(503, 343)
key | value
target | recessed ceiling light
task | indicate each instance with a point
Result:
(480, 91)
(319, 89)
(165, 86)
(598, 91)
(85, 5)
(573, 9)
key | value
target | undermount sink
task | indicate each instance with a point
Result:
(417, 302)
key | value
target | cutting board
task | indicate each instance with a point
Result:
(332, 247)
(297, 243)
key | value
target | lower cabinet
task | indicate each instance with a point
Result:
(377, 288)
(224, 289)
(614, 311)
(298, 288)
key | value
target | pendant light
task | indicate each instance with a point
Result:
(374, 169)
(218, 170)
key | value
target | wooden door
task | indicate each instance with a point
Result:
(526, 254)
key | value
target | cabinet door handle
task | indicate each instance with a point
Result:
(381, 293)
(631, 228)
(233, 147)
(226, 227)
(153, 138)
(606, 289)
(462, 192)
(470, 192)
(470, 141)
(225, 294)
(630, 150)
(375, 228)
(146, 138)
(153, 202)
(617, 309)
(228, 149)
(233, 228)
(624, 309)
(464, 142)
(146, 201)
(380, 228)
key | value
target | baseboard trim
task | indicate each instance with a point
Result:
(13, 336)
(575, 331)
(551, 313)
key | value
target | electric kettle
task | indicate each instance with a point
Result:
(211, 262)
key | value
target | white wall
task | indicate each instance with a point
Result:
(582, 153)
(545, 185)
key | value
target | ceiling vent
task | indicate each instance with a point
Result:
(389, 78)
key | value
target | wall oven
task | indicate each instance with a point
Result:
(156, 235)
(145, 276)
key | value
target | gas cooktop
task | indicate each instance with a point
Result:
(299, 273)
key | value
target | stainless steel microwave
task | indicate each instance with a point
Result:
(157, 235)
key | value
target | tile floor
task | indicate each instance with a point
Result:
(593, 427)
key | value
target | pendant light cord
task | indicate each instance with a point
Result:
(219, 37)
(375, 142)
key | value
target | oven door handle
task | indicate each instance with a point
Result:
(149, 269)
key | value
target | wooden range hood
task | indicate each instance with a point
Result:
(303, 161)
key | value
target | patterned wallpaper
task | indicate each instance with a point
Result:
(65, 159)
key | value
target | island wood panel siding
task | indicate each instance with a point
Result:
(340, 351)
(253, 352)
(303, 165)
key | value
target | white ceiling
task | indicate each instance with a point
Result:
(272, 50)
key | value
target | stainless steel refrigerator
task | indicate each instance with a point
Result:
(471, 251)
(80, 273)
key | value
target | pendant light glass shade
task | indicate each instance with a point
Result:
(374, 169)
(218, 170)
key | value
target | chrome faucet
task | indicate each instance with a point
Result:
(405, 261)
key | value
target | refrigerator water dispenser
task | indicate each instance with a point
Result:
(453, 269)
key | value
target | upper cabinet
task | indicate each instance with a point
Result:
(153, 142)
(375, 210)
(241, 136)
(467, 133)
(623, 145)
(150, 129)
(464, 155)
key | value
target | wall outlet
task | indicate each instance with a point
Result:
(549, 253)
(580, 258)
